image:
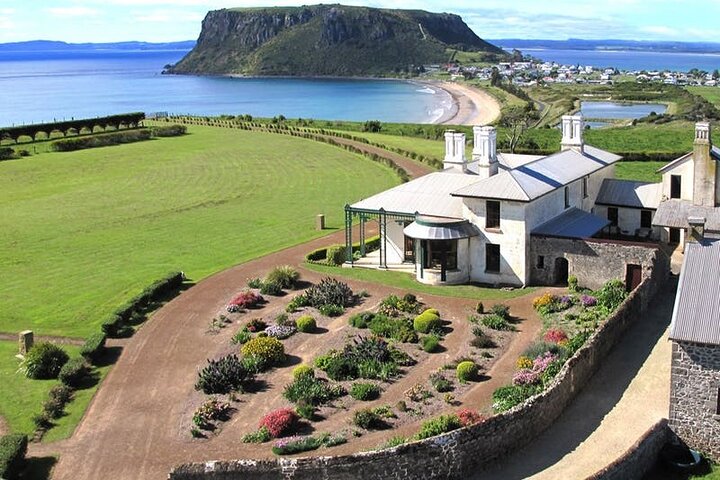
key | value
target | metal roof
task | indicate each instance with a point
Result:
(696, 316)
(427, 195)
(508, 161)
(674, 213)
(426, 228)
(627, 193)
(536, 178)
(573, 223)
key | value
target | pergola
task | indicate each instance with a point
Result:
(381, 215)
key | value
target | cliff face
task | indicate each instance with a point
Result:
(326, 40)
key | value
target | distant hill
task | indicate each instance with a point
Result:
(638, 45)
(326, 40)
(53, 46)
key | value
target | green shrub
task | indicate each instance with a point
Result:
(285, 276)
(336, 255)
(466, 371)
(440, 383)
(369, 420)
(611, 295)
(329, 292)
(439, 425)
(312, 391)
(577, 341)
(297, 302)
(482, 340)
(306, 324)
(297, 445)
(168, 130)
(74, 372)
(505, 398)
(261, 435)
(255, 283)
(268, 351)
(364, 391)
(103, 140)
(331, 310)
(434, 311)
(228, 374)
(361, 320)
(94, 347)
(44, 361)
(271, 288)
(305, 410)
(303, 371)
(241, 337)
(427, 322)
(399, 329)
(12, 455)
(496, 322)
(430, 343)
(573, 283)
(480, 308)
(539, 348)
(393, 442)
(6, 153)
(501, 310)
(338, 367)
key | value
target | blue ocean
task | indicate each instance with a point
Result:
(38, 87)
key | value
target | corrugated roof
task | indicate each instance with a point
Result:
(425, 228)
(427, 195)
(696, 316)
(541, 176)
(573, 223)
(627, 193)
(508, 161)
(674, 213)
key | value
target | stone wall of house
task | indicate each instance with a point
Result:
(454, 454)
(694, 396)
(640, 458)
(594, 261)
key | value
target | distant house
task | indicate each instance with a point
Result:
(695, 336)
(499, 218)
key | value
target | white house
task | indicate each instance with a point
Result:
(475, 219)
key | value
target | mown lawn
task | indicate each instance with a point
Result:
(82, 232)
(711, 94)
(642, 171)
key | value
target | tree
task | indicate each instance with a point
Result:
(517, 120)
(716, 74)
(495, 77)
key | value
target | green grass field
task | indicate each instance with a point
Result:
(642, 171)
(82, 232)
(711, 94)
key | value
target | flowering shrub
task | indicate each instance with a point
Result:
(288, 446)
(556, 335)
(280, 422)
(533, 375)
(523, 362)
(268, 351)
(543, 301)
(588, 301)
(212, 409)
(564, 302)
(280, 331)
(246, 299)
(417, 393)
(541, 363)
(469, 417)
(256, 325)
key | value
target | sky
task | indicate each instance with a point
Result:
(174, 20)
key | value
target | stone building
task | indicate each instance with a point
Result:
(695, 336)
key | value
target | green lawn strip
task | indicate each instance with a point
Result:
(407, 282)
(82, 232)
(641, 171)
(21, 397)
(711, 94)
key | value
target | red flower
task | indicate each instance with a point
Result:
(469, 417)
(280, 422)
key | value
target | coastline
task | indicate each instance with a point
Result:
(471, 106)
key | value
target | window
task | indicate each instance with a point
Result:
(492, 257)
(439, 251)
(613, 216)
(675, 186)
(645, 219)
(585, 187)
(540, 261)
(492, 212)
(567, 197)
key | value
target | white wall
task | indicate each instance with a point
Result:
(686, 171)
(432, 276)
(628, 219)
(395, 242)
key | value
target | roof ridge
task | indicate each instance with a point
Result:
(517, 182)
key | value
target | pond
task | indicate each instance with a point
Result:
(615, 110)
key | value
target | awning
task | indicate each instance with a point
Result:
(574, 223)
(434, 228)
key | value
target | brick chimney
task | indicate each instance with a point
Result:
(485, 151)
(705, 167)
(454, 151)
(572, 132)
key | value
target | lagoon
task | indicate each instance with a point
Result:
(620, 111)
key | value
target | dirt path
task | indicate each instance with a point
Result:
(626, 397)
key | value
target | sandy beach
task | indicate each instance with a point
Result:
(472, 106)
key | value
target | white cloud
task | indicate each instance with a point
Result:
(660, 30)
(73, 11)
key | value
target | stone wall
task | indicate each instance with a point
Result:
(694, 396)
(454, 454)
(594, 261)
(640, 458)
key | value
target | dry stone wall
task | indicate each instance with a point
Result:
(456, 454)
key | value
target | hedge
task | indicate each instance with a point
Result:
(12, 455)
(94, 347)
(114, 325)
(320, 255)
(103, 140)
(168, 130)
(6, 153)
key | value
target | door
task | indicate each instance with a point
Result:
(409, 249)
(633, 276)
(561, 271)
(675, 236)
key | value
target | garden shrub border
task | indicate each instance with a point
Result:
(12, 455)
(319, 255)
(446, 456)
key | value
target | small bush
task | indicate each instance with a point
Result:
(280, 332)
(285, 276)
(480, 308)
(611, 295)
(271, 288)
(364, 391)
(361, 320)
(297, 302)
(279, 422)
(256, 325)
(501, 310)
(331, 310)
(62, 393)
(369, 420)
(303, 371)
(255, 283)
(305, 410)
(12, 455)
(104, 140)
(241, 337)
(268, 351)
(427, 322)
(440, 383)
(336, 255)
(44, 361)
(168, 130)
(466, 371)
(495, 322)
(306, 324)
(211, 409)
(262, 435)
(312, 391)
(294, 445)
(555, 335)
(482, 339)
(228, 374)
(523, 362)
(74, 372)
(430, 343)
(94, 347)
(399, 329)
(469, 417)
(329, 292)
(439, 425)
(505, 398)
(573, 283)
(246, 299)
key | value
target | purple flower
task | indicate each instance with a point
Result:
(588, 301)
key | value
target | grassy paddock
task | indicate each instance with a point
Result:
(84, 231)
